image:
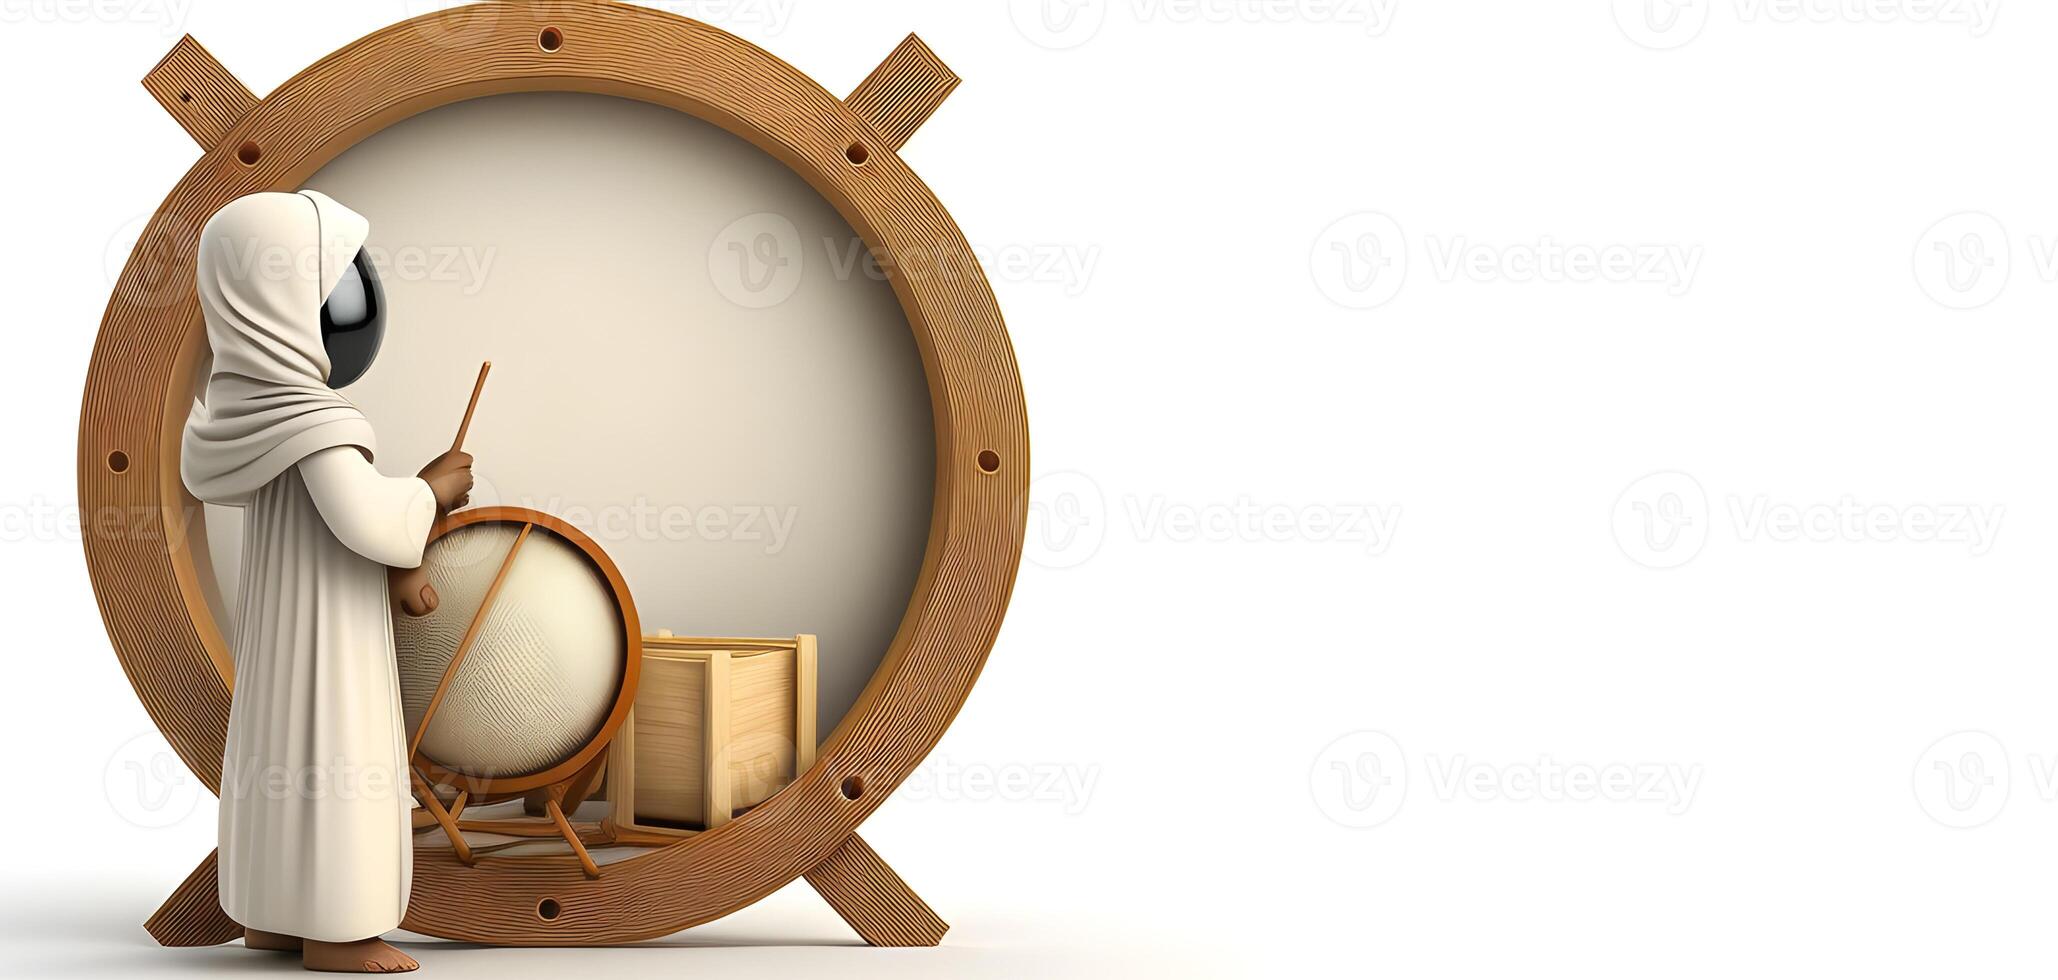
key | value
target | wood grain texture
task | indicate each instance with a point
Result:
(571, 837)
(198, 92)
(683, 726)
(876, 902)
(667, 751)
(903, 92)
(807, 672)
(193, 915)
(457, 442)
(714, 742)
(445, 818)
(136, 396)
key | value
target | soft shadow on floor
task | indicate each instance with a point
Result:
(96, 928)
(87, 928)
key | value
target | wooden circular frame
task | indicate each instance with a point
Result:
(137, 514)
(483, 787)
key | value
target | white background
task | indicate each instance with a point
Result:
(1328, 261)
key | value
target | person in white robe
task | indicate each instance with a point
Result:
(316, 849)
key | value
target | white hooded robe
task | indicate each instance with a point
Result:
(315, 837)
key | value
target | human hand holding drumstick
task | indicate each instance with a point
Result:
(450, 478)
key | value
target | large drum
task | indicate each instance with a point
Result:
(522, 673)
(541, 629)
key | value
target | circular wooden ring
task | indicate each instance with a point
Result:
(484, 787)
(142, 559)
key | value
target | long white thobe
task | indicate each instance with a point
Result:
(315, 840)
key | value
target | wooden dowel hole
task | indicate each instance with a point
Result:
(249, 154)
(853, 787)
(857, 154)
(118, 461)
(989, 461)
(551, 39)
(548, 910)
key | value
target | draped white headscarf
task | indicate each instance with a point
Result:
(267, 263)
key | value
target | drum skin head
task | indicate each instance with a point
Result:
(545, 663)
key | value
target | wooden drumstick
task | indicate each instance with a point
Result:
(466, 425)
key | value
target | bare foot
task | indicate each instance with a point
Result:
(363, 956)
(270, 941)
